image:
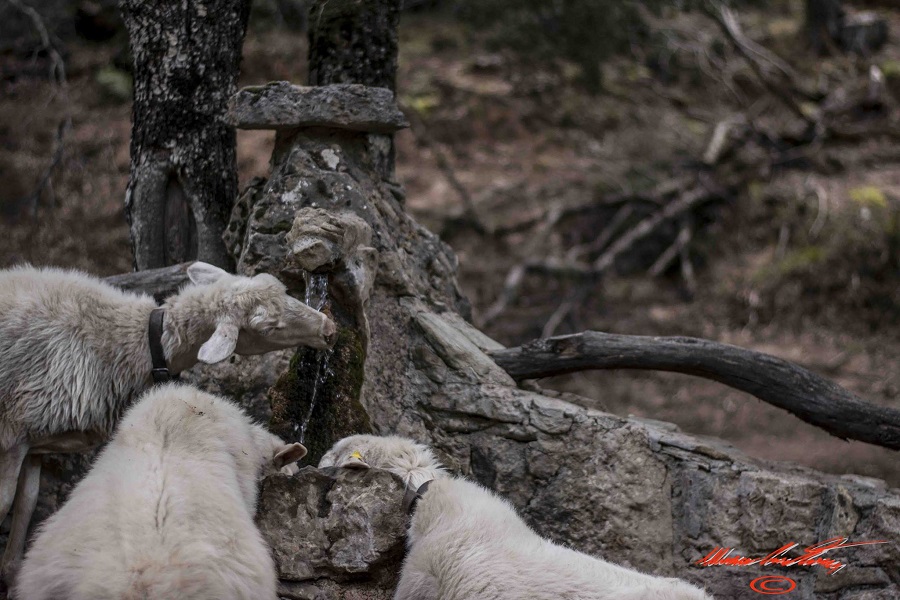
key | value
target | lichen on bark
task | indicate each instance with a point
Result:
(183, 170)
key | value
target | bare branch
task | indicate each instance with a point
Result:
(57, 65)
(810, 397)
(602, 240)
(58, 77)
(757, 56)
(564, 309)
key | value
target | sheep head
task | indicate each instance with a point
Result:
(256, 315)
(414, 463)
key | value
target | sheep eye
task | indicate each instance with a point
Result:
(267, 328)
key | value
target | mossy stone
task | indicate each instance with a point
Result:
(338, 411)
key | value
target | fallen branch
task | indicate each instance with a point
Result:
(601, 241)
(687, 267)
(562, 311)
(688, 201)
(673, 252)
(808, 396)
(588, 274)
(653, 198)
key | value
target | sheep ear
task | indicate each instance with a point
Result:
(221, 345)
(355, 461)
(202, 273)
(288, 454)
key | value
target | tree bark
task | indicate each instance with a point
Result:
(355, 41)
(183, 171)
(824, 22)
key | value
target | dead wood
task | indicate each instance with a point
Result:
(700, 194)
(812, 398)
(689, 196)
(760, 59)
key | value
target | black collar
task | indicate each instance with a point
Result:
(412, 497)
(160, 372)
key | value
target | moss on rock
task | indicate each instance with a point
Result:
(338, 411)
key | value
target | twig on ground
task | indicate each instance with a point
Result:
(573, 301)
(750, 49)
(700, 194)
(671, 253)
(822, 212)
(590, 274)
(721, 140)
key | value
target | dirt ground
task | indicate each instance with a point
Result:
(783, 265)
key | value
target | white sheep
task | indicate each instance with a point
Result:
(75, 352)
(167, 510)
(466, 543)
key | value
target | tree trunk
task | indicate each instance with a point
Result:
(355, 41)
(183, 173)
(824, 23)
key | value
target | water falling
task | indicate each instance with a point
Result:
(316, 296)
(316, 290)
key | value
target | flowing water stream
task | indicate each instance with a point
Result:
(316, 296)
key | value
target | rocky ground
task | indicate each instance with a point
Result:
(793, 263)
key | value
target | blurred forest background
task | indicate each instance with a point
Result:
(666, 167)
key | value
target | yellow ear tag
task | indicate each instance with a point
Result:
(356, 455)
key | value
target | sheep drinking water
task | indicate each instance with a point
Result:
(465, 543)
(75, 352)
(166, 511)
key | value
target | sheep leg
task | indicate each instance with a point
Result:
(26, 500)
(10, 464)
